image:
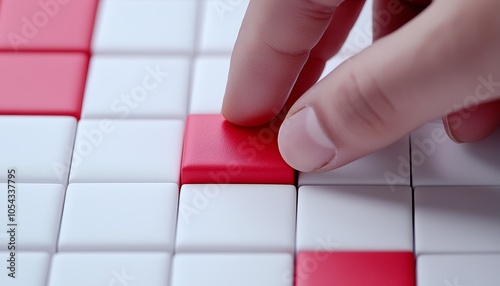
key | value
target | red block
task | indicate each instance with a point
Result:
(41, 25)
(42, 84)
(216, 151)
(355, 269)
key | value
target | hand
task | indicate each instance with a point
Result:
(445, 60)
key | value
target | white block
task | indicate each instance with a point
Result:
(136, 88)
(458, 270)
(145, 27)
(357, 218)
(236, 218)
(388, 167)
(457, 219)
(221, 24)
(361, 35)
(132, 151)
(31, 268)
(38, 147)
(209, 84)
(438, 161)
(111, 269)
(119, 217)
(38, 209)
(232, 269)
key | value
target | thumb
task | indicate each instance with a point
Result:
(403, 80)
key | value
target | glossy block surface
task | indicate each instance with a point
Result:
(38, 148)
(140, 87)
(119, 217)
(33, 272)
(355, 269)
(127, 151)
(438, 161)
(46, 25)
(354, 218)
(232, 269)
(457, 220)
(42, 84)
(236, 218)
(37, 223)
(209, 84)
(216, 151)
(221, 24)
(111, 269)
(458, 270)
(145, 26)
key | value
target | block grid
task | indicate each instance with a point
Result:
(138, 180)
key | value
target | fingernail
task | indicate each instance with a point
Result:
(303, 143)
(448, 129)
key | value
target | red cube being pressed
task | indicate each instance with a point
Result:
(46, 25)
(42, 84)
(219, 152)
(355, 269)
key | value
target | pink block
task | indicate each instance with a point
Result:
(218, 152)
(355, 269)
(46, 25)
(42, 84)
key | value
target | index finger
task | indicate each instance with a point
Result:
(274, 43)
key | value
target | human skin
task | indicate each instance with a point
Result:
(432, 59)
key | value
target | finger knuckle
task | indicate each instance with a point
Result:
(316, 9)
(365, 105)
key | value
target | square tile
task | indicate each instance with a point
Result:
(131, 151)
(112, 269)
(457, 220)
(47, 25)
(354, 218)
(119, 217)
(30, 268)
(39, 149)
(355, 269)
(458, 270)
(141, 87)
(236, 218)
(145, 27)
(216, 151)
(221, 24)
(209, 84)
(42, 84)
(232, 269)
(37, 216)
(438, 161)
